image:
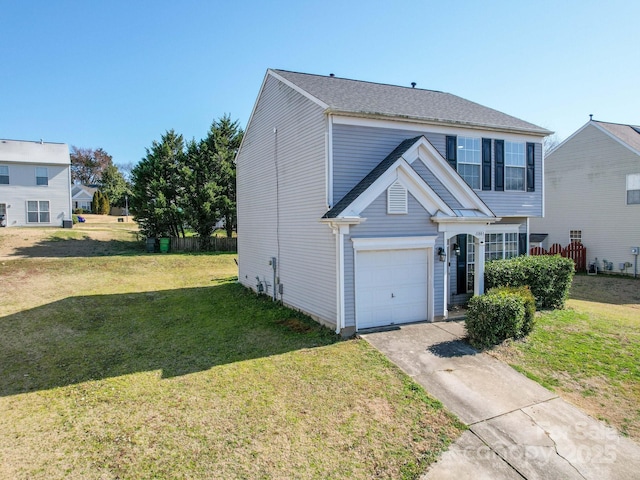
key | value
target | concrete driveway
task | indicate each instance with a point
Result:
(517, 428)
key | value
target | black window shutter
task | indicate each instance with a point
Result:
(499, 172)
(522, 244)
(452, 151)
(486, 164)
(531, 167)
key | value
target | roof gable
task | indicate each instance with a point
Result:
(340, 95)
(397, 167)
(626, 135)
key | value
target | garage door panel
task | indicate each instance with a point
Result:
(391, 287)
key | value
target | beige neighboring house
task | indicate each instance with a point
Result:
(35, 183)
(592, 195)
(82, 197)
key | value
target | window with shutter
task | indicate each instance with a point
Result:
(486, 164)
(531, 167)
(499, 171)
(396, 199)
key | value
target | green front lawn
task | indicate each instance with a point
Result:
(589, 353)
(161, 366)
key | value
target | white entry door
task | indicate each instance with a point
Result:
(391, 287)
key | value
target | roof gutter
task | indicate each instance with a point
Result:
(542, 132)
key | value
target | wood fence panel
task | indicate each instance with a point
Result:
(211, 244)
(575, 251)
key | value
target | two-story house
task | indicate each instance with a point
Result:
(592, 195)
(367, 205)
(35, 183)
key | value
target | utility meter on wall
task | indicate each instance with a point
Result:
(635, 250)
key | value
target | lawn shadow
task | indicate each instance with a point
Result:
(86, 246)
(175, 331)
(451, 349)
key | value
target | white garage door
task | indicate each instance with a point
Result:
(391, 287)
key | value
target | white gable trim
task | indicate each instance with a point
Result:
(399, 171)
(614, 137)
(452, 181)
(315, 100)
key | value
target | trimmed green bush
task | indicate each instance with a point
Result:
(74, 218)
(548, 277)
(529, 303)
(494, 317)
(507, 312)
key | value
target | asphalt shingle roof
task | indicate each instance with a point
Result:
(375, 99)
(629, 134)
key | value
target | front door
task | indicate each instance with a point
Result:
(461, 265)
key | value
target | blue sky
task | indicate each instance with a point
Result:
(118, 74)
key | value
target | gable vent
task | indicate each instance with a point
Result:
(396, 198)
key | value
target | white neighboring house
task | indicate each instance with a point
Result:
(35, 183)
(592, 194)
(82, 197)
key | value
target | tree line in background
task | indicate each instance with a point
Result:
(96, 168)
(192, 184)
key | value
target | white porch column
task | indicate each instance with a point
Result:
(478, 283)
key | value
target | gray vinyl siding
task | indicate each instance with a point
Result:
(436, 184)
(585, 189)
(280, 217)
(380, 224)
(22, 188)
(516, 204)
(357, 150)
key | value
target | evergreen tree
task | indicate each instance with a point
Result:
(158, 187)
(223, 142)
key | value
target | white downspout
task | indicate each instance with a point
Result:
(478, 284)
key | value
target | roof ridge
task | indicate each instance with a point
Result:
(363, 81)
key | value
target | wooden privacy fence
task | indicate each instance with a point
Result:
(575, 251)
(211, 244)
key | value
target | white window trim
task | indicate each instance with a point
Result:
(633, 184)
(38, 211)
(8, 175)
(522, 167)
(46, 170)
(476, 165)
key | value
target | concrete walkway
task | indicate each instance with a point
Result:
(517, 429)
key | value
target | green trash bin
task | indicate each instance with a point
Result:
(164, 245)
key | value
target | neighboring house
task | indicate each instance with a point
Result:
(366, 205)
(35, 183)
(82, 197)
(592, 194)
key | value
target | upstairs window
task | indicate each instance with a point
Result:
(575, 236)
(633, 189)
(469, 160)
(42, 176)
(4, 175)
(514, 166)
(396, 199)
(38, 211)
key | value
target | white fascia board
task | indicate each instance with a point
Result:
(253, 111)
(393, 243)
(301, 91)
(435, 127)
(561, 144)
(451, 180)
(400, 170)
(617, 139)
